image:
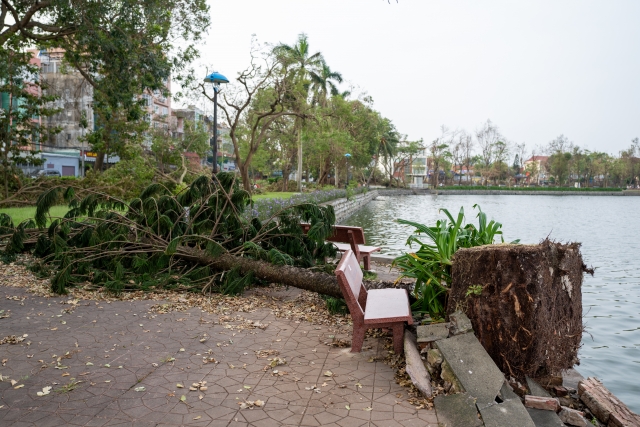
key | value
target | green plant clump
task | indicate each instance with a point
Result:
(150, 242)
(530, 189)
(430, 265)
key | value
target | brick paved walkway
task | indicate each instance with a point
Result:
(140, 347)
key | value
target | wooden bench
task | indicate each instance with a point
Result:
(345, 237)
(376, 308)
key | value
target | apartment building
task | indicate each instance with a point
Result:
(226, 156)
(75, 99)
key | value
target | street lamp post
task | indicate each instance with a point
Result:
(347, 156)
(215, 78)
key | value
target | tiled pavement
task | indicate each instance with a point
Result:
(139, 348)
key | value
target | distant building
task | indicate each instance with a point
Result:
(158, 108)
(226, 156)
(66, 162)
(75, 97)
(535, 169)
(192, 114)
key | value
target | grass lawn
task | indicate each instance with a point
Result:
(273, 195)
(20, 214)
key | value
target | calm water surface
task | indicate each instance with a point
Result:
(608, 228)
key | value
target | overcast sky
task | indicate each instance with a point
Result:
(537, 69)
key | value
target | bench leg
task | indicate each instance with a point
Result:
(358, 338)
(366, 259)
(398, 338)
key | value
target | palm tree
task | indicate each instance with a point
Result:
(388, 139)
(298, 57)
(322, 84)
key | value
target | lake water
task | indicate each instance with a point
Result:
(608, 228)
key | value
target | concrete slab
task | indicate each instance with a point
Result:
(542, 418)
(457, 410)
(433, 332)
(510, 413)
(506, 392)
(571, 378)
(536, 389)
(460, 323)
(473, 367)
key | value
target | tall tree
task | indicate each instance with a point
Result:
(22, 105)
(388, 140)
(121, 48)
(467, 148)
(487, 136)
(438, 150)
(299, 58)
(323, 86)
(253, 105)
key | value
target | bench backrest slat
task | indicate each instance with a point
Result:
(349, 277)
(343, 233)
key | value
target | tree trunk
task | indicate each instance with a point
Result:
(299, 173)
(97, 167)
(244, 173)
(325, 168)
(301, 278)
(529, 301)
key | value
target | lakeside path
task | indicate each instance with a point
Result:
(120, 363)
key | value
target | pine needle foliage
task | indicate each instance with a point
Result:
(123, 246)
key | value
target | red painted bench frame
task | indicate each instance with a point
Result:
(388, 308)
(352, 237)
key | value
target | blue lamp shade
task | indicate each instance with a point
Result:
(347, 155)
(216, 77)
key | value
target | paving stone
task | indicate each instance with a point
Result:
(457, 410)
(542, 418)
(510, 413)
(153, 360)
(473, 367)
(433, 332)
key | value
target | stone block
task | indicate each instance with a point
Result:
(459, 323)
(434, 358)
(560, 391)
(573, 417)
(545, 403)
(470, 364)
(508, 413)
(432, 332)
(565, 401)
(457, 410)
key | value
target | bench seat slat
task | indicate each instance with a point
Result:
(342, 247)
(368, 249)
(387, 305)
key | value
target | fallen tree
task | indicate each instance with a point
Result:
(204, 239)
